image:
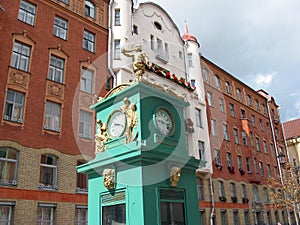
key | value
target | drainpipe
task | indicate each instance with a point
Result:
(212, 201)
(184, 60)
(110, 47)
(277, 154)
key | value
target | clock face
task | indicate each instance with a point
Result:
(116, 124)
(164, 121)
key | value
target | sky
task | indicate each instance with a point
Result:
(256, 41)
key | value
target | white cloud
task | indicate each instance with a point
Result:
(264, 80)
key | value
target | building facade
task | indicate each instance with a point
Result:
(246, 138)
(53, 61)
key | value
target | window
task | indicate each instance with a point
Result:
(48, 172)
(276, 216)
(6, 212)
(85, 124)
(89, 9)
(236, 218)
(46, 214)
(217, 81)
(217, 157)
(202, 217)
(255, 194)
(52, 116)
(268, 128)
(81, 215)
(261, 125)
(14, 106)
(265, 147)
(248, 165)
(198, 118)
(206, 75)
(276, 171)
(228, 87)
(257, 105)
(266, 195)
(269, 217)
(261, 167)
(228, 158)
(221, 189)
(82, 179)
(190, 59)
(21, 56)
(257, 144)
(240, 163)
(65, 1)
(210, 99)
(60, 27)
(244, 191)
(233, 189)
(253, 120)
(200, 189)
(231, 107)
(135, 30)
(225, 131)
(251, 139)
(56, 70)
(222, 106)
(269, 170)
(236, 135)
(213, 127)
(239, 94)
(255, 165)
(247, 217)
(201, 150)
(87, 80)
(264, 109)
(224, 217)
(244, 137)
(8, 166)
(117, 49)
(243, 114)
(249, 100)
(172, 209)
(117, 17)
(27, 12)
(88, 41)
(272, 149)
(152, 42)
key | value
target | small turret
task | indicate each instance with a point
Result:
(188, 37)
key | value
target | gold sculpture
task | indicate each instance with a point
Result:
(175, 176)
(109, 178)
(140, 60)
(101, 137)
(129, 109)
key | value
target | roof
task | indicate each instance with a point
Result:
(292, 128)
(188, 37)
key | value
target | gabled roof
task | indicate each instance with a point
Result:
(292, 128)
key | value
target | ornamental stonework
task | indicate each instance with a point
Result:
(19, 79)
(55, 90)
(86, 100)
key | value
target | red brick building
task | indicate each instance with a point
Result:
(53, 63)
(246, 138)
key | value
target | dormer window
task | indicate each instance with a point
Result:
(157, 25)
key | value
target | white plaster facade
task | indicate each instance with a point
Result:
(151, 27)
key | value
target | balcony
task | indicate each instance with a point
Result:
(254, 178)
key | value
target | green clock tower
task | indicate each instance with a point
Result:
(142, 173)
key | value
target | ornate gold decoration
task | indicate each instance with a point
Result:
(175, 176)
(101, 137)
(109, 178)
(139, 63)
(129, 109)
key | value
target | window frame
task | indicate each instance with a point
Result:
(228, 88)
(198, 117)
(201, 149)
(117, 49)
(225, 132)
(232, 112)
(87, 80)
(59, 29)
(84, 125)
(56, 69)
(25, 14)
(236, 136)
(79, 211)
(43, 207)
(7, 163)
(18, 58)
(210, 99)
(190, 59)
(90, 9)
(117, 17)
(10, 207)
(12, 107)
(222, 105)
(51, 118)
(54, 173)
(89, 41)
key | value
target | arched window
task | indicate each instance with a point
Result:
(8, 166)
(89, 9)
